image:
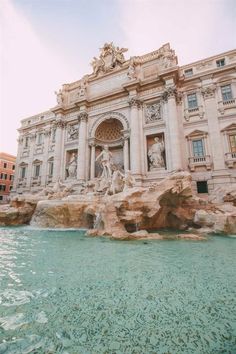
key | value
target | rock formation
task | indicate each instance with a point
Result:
(135, 213)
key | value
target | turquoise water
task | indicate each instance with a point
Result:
(61, 292)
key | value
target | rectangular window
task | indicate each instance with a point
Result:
(192, 101)
(1, 175)
(53, 135)
(2, 187)
(40, 138)
(5, 165)
(11, 177)
(226, 93)
(220, 63)
(188, 72)
(13, 167)
(23, 172)
(198, 149)
(50, 169)
(1, 197)
(26, 142)
(5, 176)
(37, 171)
(11, 188)
(202, 187)
(232, 140)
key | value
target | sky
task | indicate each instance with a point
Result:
(46, 43)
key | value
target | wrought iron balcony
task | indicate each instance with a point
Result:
(230, 159)
(197, 161)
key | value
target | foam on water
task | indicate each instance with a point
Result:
(61, 292)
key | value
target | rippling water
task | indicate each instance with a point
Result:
(61, 292)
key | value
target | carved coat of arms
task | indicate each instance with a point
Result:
(110, 57)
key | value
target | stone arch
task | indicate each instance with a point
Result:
(106, 116)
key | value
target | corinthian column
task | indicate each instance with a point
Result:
(170, 97)
(92, 160)
(59, 124)
(135, 143)
(81, 167)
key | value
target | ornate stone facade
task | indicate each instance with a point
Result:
(153, 115)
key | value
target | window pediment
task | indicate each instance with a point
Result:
(196, 133)
(229, 128)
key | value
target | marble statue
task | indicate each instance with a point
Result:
(129, 180)
(155, 154)
(132, 75)
(59, 97)
(83, 86)
(117, 183)
(105, 157)
(72, 166)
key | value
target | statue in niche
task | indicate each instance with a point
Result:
(72, 166)
(59, 97)
(105, 157)
(72, 132)
(155, 154)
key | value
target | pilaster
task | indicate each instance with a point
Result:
(81, 167)
(135, 141)
(60, 125)
(169, 96)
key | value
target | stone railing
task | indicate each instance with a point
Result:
(196, 161)
(195, 111)
(227, 104)
(230, 159)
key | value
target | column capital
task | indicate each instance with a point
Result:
(208, 91)
(135, 102)
(83, 116)
(169, 92)
(59, 123)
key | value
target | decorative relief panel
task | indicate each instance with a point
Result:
(72, 132)
(153, 112)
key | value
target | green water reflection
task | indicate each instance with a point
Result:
(61, 292)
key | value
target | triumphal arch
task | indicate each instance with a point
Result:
(144, 114)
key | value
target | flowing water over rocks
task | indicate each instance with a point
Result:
(62, 292)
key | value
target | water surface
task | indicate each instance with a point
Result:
(62, 292)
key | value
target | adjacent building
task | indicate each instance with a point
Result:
(154, 115)
(7, 171)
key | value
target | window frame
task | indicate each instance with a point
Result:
(190, 101)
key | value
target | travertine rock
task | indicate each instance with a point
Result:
(135, 213)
